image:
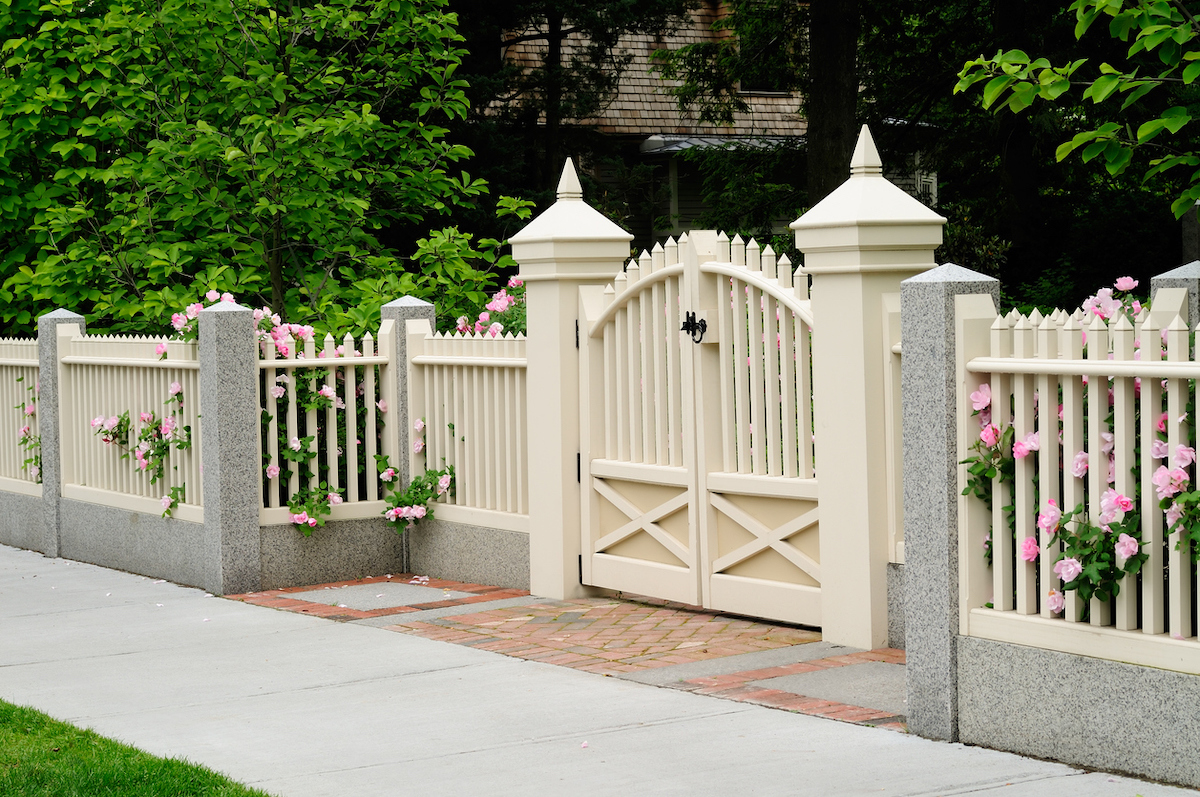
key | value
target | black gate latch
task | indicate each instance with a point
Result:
(694, 328)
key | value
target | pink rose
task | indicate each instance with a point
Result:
(1126, 283)
(272, 471)
(178, 321)
(174, 389)
(1159, 449)
(495, 329)
(418, 425)
(1055, 602)
(1068, 569)
(1184, 456)
(1174, 512)
(388, 474)
(160, 349)
(212, 295)
(165, 501)
(382, 405)
(419, 512)
(982, 398)
(443, 484)
(515, 282)
(1049, 518)
(278, 391)
(1168, 482)
(990, 435)
(227, 298)
(300, 518)
(335, 499)
(1029, 549)
(1079, 465)
(1127, 546)
(418, 446)
(312, 521)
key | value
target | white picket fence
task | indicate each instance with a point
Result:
(18, 373)
(363, 401)
(1029, 362)
(469, 391)
(105, 376)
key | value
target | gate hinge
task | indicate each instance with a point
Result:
(577, 333)
(580, 568)
(578, 468)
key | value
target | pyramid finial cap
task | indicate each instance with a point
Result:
(568, 184)
(865, 159)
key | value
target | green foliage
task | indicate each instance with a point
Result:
(41, 756)
(142, 163)
(1160, 58)
(30, 443)
(1094, 547)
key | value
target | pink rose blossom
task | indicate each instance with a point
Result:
(1174, 512)
(168, 426)
(1137, 307)
(278, 391)
(98, 421)
(1162, 419)
(24, 430)
(1055, 602)
(419, 512)
(193, 310)
(418, 446)
(392, 514)
(174, 389)
(1113, 501)
(178, 321)
(212, 296)
(443, 484)
(1068, 569)
(335, 499)
(312, 521)
(418, 425)
(1022, 448)
(981, 399)
(111, 423)
(990, 435)
(326, 391)
(272, 471)
(461, 324)
(146, 417)
(300, 518)
(165, 501)
(1168, 482)
(515, 282)
(1159, 449)
(227, 298)
(1127, 546)
(294, 444)
(382, 405)
(160, 349)
(1109, 442)
(388, 474)
(1079, 465)
(1184, 456)
(1125, 283)
(1049, 518)
(1029, 549)
(495, 329)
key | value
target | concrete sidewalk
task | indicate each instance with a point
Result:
(298, 705)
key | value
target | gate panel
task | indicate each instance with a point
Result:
(697, 454)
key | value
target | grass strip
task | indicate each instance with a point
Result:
(42, 757)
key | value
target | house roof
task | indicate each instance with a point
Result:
(643, 107)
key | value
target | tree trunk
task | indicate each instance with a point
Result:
(831, 102)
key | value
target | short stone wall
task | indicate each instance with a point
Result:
(895, 596)
(445, 549)
(338, 551)
(22, 524)
(1079, 710)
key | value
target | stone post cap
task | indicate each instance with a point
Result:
(867, 213)
(570, 239)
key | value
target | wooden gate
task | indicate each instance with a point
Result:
(697, 450)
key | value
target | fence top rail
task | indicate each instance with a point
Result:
(19, 361)
(1164, 369)
(483, 362)
(290, 364)
(453, 336)
(771, 285)
(621, 296)
(131, 362)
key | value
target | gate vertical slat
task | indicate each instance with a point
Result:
(758, 418)
(633, 361)
(1179, 559)
(1023, 423)
(621, 331)
(659, 336)
(1097, 397)
(674, 399)
(771, 347)
(741, 358)
(725, 330)
(1153, 614)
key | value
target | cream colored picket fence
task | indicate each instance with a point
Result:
(105, 376)
(469, 392)
(18, 372)
(344, 437)
(1027, 361)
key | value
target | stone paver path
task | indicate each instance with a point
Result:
(607, 636)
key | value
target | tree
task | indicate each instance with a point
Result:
(1153, 83)
(152, 151)
(810, 47)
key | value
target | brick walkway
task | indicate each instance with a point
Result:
(609, 636)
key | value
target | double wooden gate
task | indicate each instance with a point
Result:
(696, 418)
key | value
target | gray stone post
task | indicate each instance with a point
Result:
(50, 420)
(229, 459)
(1186, 276)
(929, 377)
(404, 309)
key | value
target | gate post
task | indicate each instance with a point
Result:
(859, 243)
(566, 247)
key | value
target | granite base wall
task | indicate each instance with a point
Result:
(895, 597)
(1079, 710)
(138, 543)
(338, 551)
(22, 523)
(479, 555)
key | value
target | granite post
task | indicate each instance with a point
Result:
(230, 459)
(1186, 276)
(401, 311)
(50, 418)
(929, 376)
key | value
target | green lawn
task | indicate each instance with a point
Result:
(40, 756)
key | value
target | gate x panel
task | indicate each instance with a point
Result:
(696, 450)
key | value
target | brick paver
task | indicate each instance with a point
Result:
(611, 636)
